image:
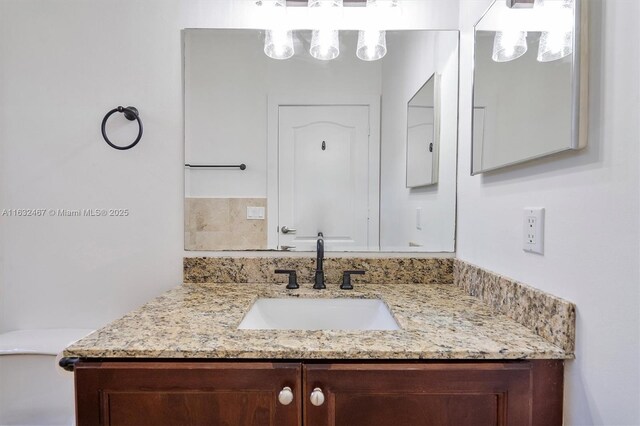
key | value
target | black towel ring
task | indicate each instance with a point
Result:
(130, 113)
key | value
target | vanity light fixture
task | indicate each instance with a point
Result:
(509, 45)
(278, 41)
(372, 42)
(557, 42)
(325, 42)
(372, 45)
(278, 44)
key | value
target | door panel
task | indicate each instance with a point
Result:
(423, 394)
(416, 409)
(324, 176)
(173, 393)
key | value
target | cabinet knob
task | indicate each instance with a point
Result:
(317, 397)
(285, 396)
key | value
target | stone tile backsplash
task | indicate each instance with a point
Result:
(222, 224)
(549, 316)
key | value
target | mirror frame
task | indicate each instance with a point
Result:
(579, 90)
(435, 161)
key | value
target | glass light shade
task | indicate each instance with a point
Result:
(325, 44)
(372, 45)
(278, 44)
(555, 45)
(557, 42)
(325, 3)
(509, 45)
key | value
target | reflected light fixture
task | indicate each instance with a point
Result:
(325, 42)
(509, 45)
(278, 44)
(372, 42)
(278, 41)
(557, 42)
(372, 45)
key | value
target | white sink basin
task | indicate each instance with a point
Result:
(319, 314)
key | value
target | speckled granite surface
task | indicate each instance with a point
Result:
(550, 317)
(200, 321)
(260, 270)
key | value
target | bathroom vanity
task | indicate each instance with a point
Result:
(181, 359)
(320, 393)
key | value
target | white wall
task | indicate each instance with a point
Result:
(592, 219)
(63, 65)
(404, 71)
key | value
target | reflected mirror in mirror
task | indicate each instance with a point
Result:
(323, 144)
(422, 136)
(529, 90)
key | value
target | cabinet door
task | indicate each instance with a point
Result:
(176, 393)
(453, 394)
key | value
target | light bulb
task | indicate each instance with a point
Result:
(278, 44)
(325, 44)
(372, 45)
(509, 45)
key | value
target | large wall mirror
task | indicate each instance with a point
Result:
(277, 151)
(530, 82)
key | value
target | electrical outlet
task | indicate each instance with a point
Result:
(255, 213)
(533, 230)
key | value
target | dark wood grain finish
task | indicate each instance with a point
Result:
(173, 393)
(455, 394)
(121, 393)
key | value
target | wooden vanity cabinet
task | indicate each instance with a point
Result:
(523, 393)
(452, 394)
(186, 393)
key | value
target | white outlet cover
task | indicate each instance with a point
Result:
(533, 230)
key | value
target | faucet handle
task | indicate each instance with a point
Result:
(293, 278)
(346, 279)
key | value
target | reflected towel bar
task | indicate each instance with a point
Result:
(217, 166)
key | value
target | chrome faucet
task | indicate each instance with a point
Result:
(319, 281)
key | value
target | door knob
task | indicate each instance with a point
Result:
(287, 230)
(285, 396)
(287, 248)
(317, 397)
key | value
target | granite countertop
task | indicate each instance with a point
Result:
(437, 321)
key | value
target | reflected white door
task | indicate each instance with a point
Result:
(420, 146)
(325, 176)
